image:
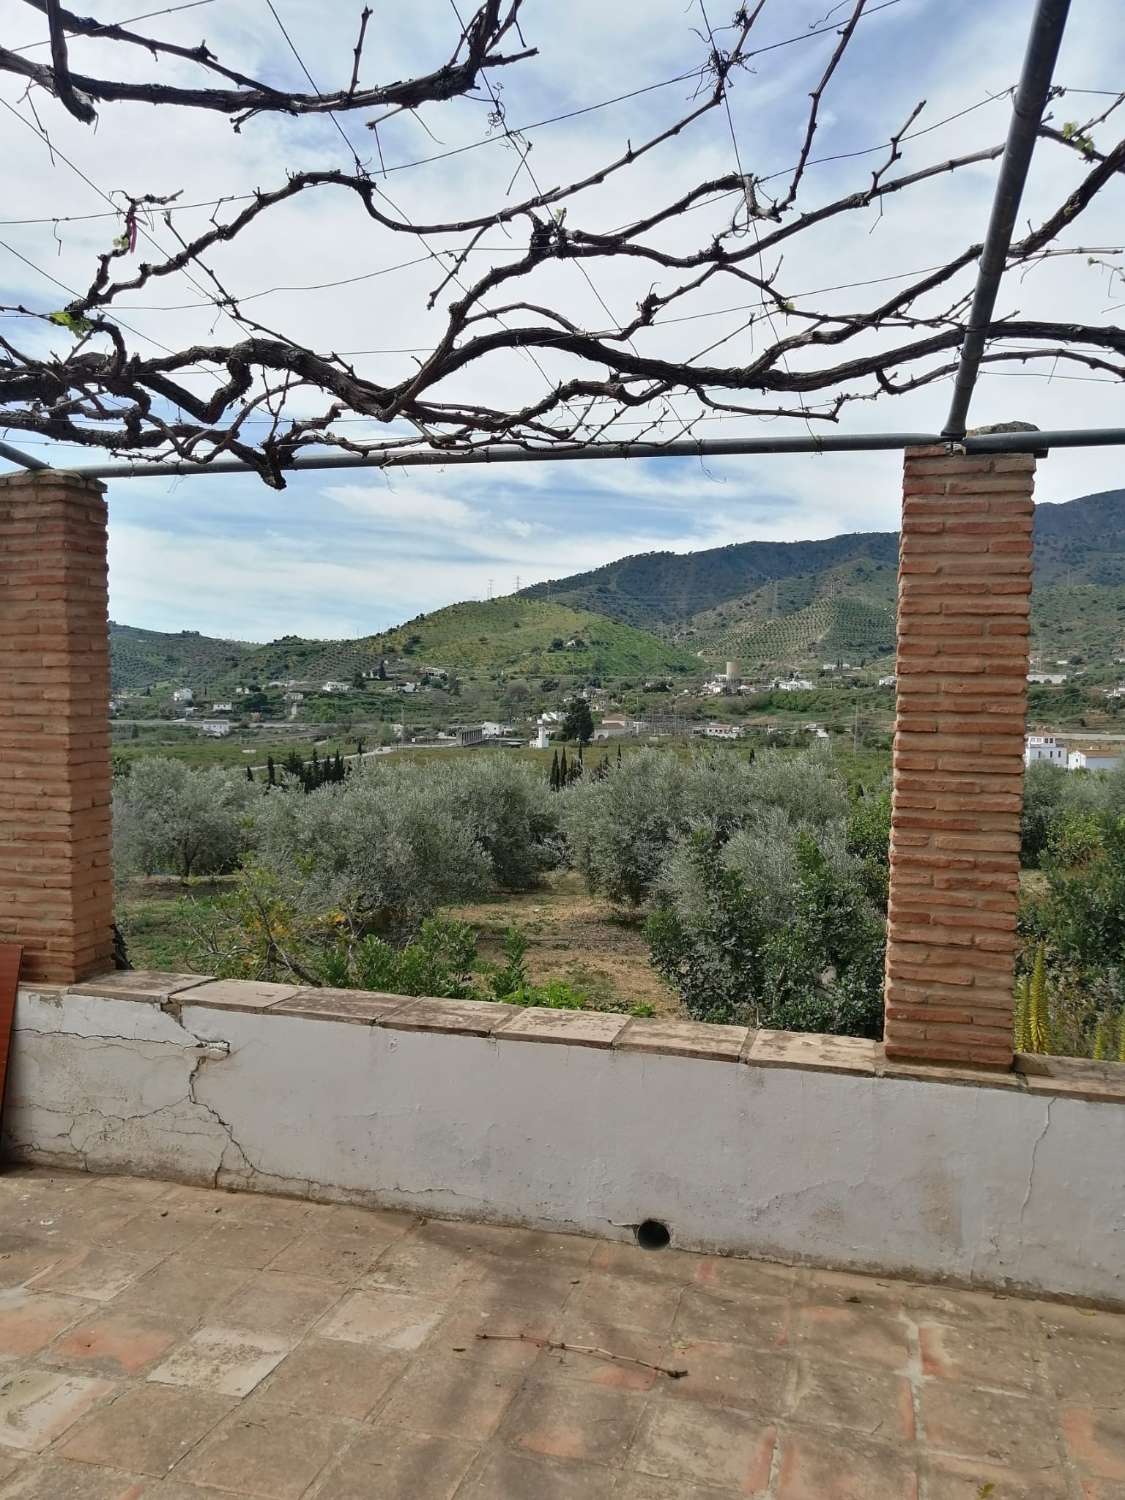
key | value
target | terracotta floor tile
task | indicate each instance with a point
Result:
(721, 1374)
(822, 1467)
(573, 1422)
(227, 1361)
(876, 1403)
(1011, 1358)
(113, 1343)
(334, 1377)
(37, 1406)
(22, 1258)
(181, 1287)
(423, 1268)
(245, 1247)
(506, 1476)
(95, 1274)
(30, 1320)
(146, 1430)
(648, 1487)
(995, 1425)
(708, 1445)
(763, 1322)
(277, 1305)
(331, 1255)
(865, 1335)
(57, 1479)
(727, 1274)
(649, 1306)
(389, 1464)
(1095, 1438)
(448, 1396)
(392, 1319)
(1085, 1369)
(947, 1478)
(267, 1454)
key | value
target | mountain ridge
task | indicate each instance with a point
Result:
(769, 603)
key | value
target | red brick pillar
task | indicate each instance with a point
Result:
(963, 603)
(56, 887)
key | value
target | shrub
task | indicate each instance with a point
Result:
(774, 931)
(621, 827)
(509, 808)
(169, 820)
(380, 849)
(624, 827)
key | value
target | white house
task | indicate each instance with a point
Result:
(332, 686)
(222, 708)
(1043, 747)
(792, 684)
(183, 695)
(1091, 760)
(723, 731)
(494, 730)
(216, 728)
(541, 740)
(888, 681)
(1054, 679)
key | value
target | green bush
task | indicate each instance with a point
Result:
(795, 943)
(169, 820)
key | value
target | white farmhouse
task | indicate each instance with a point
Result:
(888, 681)
(1091, 760)
(1052, 679)
(1043, 747)
(333, 686)
(792, 684)
(216, 728)
(724, 731)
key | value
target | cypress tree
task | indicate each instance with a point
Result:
(564, 775)
(554, 777)
(249, 773)
(271, 771)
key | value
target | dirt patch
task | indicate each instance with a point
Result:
(573, 936)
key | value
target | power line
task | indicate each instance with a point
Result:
(125, 21)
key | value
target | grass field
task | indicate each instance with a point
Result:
(571, 936)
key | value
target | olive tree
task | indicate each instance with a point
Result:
(170, 820)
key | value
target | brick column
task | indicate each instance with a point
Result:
(56, 888)
(963, 631)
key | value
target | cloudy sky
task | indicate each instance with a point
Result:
(348, 553)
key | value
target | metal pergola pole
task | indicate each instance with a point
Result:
(1030, 100)
(1029, 441)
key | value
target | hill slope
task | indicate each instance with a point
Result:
(144, 658)
(511, 636)
(795, 601)
(657, 613)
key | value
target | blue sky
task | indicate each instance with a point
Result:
(348, 553)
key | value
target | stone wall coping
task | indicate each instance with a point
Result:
(1073, 1077)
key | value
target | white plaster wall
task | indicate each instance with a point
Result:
(986, 1185)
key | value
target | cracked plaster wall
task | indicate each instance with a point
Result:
(987, 1185)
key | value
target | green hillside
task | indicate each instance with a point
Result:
(654, 614)
(511, 637)
(796, 602)
(844, 613)
(522, 636)
(145, 658)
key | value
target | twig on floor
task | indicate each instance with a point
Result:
(556, 1346)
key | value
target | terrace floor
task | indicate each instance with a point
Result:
(160, 1342)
